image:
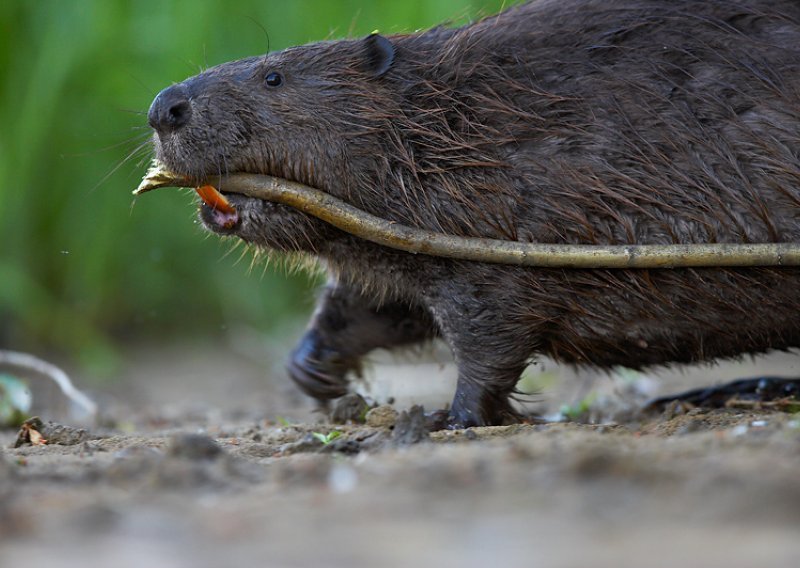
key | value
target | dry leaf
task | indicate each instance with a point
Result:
(34, 436)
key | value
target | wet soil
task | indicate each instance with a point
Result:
(216, 484)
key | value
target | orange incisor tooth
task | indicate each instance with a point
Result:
(214, 199)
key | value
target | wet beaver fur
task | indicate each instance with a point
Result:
(557, 121)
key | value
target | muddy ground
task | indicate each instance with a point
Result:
(198, 461)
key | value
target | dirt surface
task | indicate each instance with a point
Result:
(176, 481)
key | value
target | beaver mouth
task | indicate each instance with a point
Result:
(259, 209)
(227, 213)
(216, 209)
(220, 221)
(221, 211)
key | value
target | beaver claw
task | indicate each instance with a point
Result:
(319, 371)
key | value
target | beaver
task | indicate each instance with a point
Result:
(555, 121)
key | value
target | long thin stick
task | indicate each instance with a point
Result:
(419, 241)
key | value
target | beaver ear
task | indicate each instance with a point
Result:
(378, 54)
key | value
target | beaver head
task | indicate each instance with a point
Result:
(283, 114)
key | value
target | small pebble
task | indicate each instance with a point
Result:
(351, 408)
(383, 416)
(193, 447)
(411, 427)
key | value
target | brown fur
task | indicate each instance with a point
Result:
(580, 121)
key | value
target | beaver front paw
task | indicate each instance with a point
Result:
(319, 370)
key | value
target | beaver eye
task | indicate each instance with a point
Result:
(274, 79)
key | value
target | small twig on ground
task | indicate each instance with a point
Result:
(30, 363)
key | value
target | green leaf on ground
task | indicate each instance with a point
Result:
(15, 401)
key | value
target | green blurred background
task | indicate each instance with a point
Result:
(86, 272)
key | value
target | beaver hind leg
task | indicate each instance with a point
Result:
(491, 351)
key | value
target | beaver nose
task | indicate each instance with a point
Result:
(170, 110)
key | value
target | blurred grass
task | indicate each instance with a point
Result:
(84, 271)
